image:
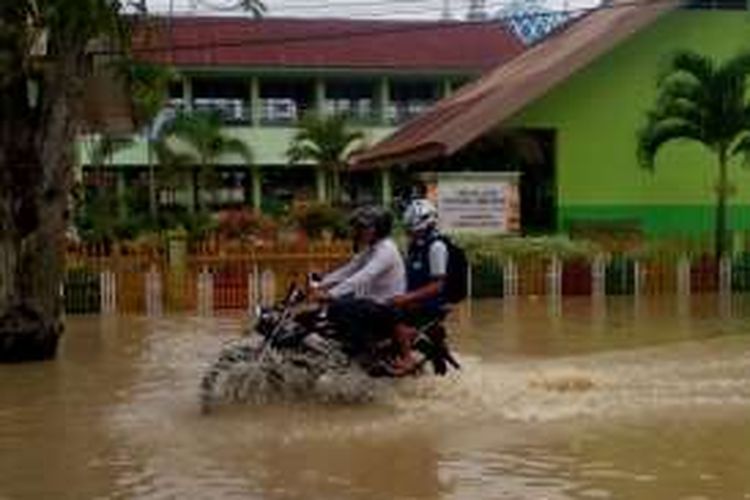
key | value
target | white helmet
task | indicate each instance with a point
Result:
(420, 215)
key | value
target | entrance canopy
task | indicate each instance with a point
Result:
(480, 106)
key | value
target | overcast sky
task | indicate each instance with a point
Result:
(395, 9)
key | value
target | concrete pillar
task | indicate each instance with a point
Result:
(256, 105)
(319, 104)
(187, 92)
(446, 88)
(386, 187)
(256, 182)
(383, 99)
(320, 184)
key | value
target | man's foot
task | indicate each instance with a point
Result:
(404, 365)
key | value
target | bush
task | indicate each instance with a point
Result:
(479, 247)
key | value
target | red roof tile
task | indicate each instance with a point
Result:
(328, 43)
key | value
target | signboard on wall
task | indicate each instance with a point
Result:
(478, 202)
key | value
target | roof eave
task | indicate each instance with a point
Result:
(423, 152)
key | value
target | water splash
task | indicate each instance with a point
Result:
(246, 372)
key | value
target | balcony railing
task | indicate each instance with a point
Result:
(358, 111)
(232, 111)
(288, 111)
(401, 111)
(282, 111)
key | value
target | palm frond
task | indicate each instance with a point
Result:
(326, 140)
(237, 146)
(168, 157)
(688, 63)
(256, 7)
(738, 66)
(202, 132)
(302, 151)
(677, 86)
(106, 146)
(679, 107)
(741, 146)
(659, 132)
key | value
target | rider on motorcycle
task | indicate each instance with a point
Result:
(360, 292)
(377, 270)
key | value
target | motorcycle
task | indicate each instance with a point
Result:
(294, 348)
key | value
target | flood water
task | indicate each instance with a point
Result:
(626, 398)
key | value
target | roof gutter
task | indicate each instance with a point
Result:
(423, 152)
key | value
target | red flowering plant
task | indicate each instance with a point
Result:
(245, 225)
(317, 219)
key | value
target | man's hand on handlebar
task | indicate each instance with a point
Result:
(401, 301)
(317, 294)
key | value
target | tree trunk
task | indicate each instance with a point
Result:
(152, 202)
(36, 157)
(197, 201)
(335, 184)
(722, 192)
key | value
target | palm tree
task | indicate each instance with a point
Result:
(149, 85)
(704, 101)
(201, 133)
(326, 141)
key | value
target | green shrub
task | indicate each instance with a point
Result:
(482, 247)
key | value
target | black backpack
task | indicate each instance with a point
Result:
(456, 286)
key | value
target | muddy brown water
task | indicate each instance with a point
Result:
(621, 398)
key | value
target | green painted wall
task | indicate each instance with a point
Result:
(597, 112)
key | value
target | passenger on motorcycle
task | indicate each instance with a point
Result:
(427, 268)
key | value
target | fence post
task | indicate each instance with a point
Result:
(256, 282)
(209, 292)
(267, 288)
(153, 292)
(683, 276)
(637, 279)
(108, 286)
(725, 275)
(554, 277)
(510, 279)
(205, 292)
(251, 293)
(598, 276)
(200, 292)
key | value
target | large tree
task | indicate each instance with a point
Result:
(326, 141)
(706, 101)
(45, 61)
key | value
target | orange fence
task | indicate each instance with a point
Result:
(208, 278)
(216, 277)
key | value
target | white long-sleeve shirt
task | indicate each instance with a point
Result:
(376, 273)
